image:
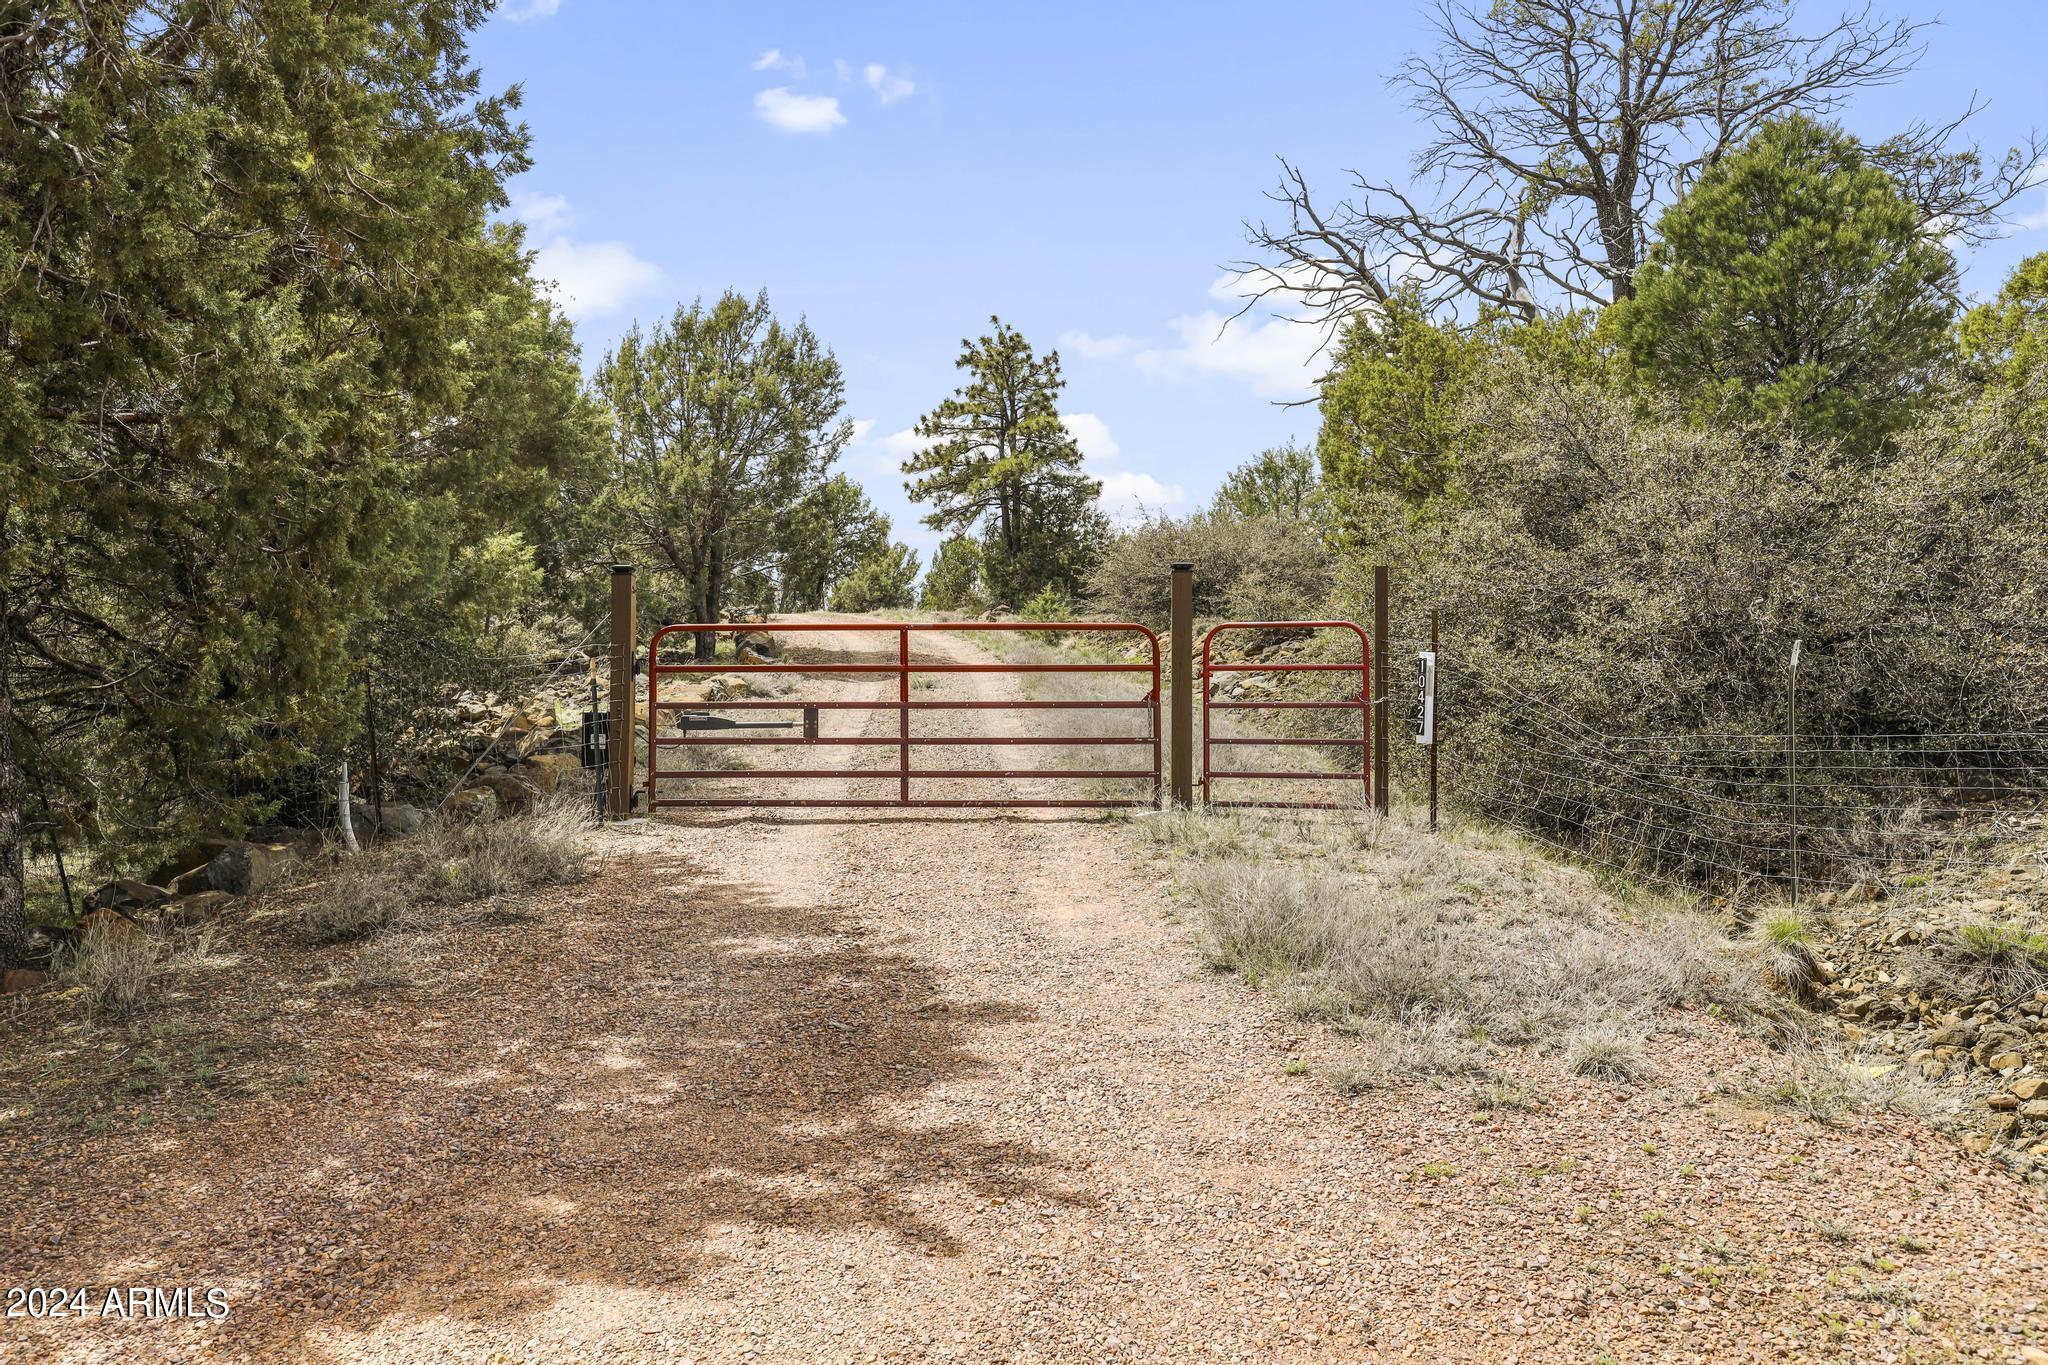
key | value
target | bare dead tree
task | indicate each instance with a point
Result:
(1560, 127)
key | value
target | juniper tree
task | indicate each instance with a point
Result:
(723, 421)
(247, 274)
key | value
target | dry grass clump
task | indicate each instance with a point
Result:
(1435, 940)
(1787, 947)
(450, 863)
(1822, 1082)
(386, 962)
(121, 974)
(2002, 959)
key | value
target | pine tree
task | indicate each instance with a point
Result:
(1796, 284)
(999, 461)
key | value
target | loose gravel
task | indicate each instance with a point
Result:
(920, 1085)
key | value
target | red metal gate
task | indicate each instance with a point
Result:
(1361, 703)
(905, 669)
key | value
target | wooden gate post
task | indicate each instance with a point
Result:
(1381, 797)
(619, 726)
(1181, 791)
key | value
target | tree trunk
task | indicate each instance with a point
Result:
(13, 831)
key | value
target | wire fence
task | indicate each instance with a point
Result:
(1730, 809)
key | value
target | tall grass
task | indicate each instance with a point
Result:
(450, 863)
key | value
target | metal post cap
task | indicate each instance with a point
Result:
(1183, 566)
(622, 568)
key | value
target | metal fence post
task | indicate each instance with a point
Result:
(1182, 681)
(1436, 718)
(1380, 796)
(619, 729)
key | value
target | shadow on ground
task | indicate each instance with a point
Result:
(655, 1062)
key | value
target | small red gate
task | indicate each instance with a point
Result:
(1361, 703)
(905, 669)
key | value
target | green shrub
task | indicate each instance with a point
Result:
(1246, 568)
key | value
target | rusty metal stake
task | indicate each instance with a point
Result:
(619, 731)
(1380, 794)
(1182, 679)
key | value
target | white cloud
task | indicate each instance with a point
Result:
(783, 108)
(842, 68)
(594, 278)
(542, 213)
(1276, 356)
(590, 279)
(1098, 348)
(529, 10)
(773, 60)
(1127, 495)
(861, 427)
(901, 445)
(889, 86)
(1091, 433)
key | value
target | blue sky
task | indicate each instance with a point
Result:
(897, 173)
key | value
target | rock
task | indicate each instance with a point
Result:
(542, 777)
(186, 861)
(111, 924)
(1955, 1035)
(2005, 1061)
(127, 896)
(548, 772)
(2031, 1087)
(2034, 1109)
(2003, 1102)
(471, 803)
(400, 819)
(20, 979)
(245, 868)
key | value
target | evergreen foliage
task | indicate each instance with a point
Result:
(997, 460)
(1795, 284)
(723, 421)
(263, 364)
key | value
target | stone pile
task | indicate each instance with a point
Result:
(1890, 969)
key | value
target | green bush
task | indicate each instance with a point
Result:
(1246, 568)
(1621, 593)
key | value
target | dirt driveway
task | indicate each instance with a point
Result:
(935, 1085)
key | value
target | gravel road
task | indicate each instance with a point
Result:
(931, 1085)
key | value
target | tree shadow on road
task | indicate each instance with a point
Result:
(658, 1063)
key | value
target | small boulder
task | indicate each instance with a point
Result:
(20, 979)
(186, 861)
(542, 777)
(471, 803)
(2031, 1087)
(245, 868)
(400, 819)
